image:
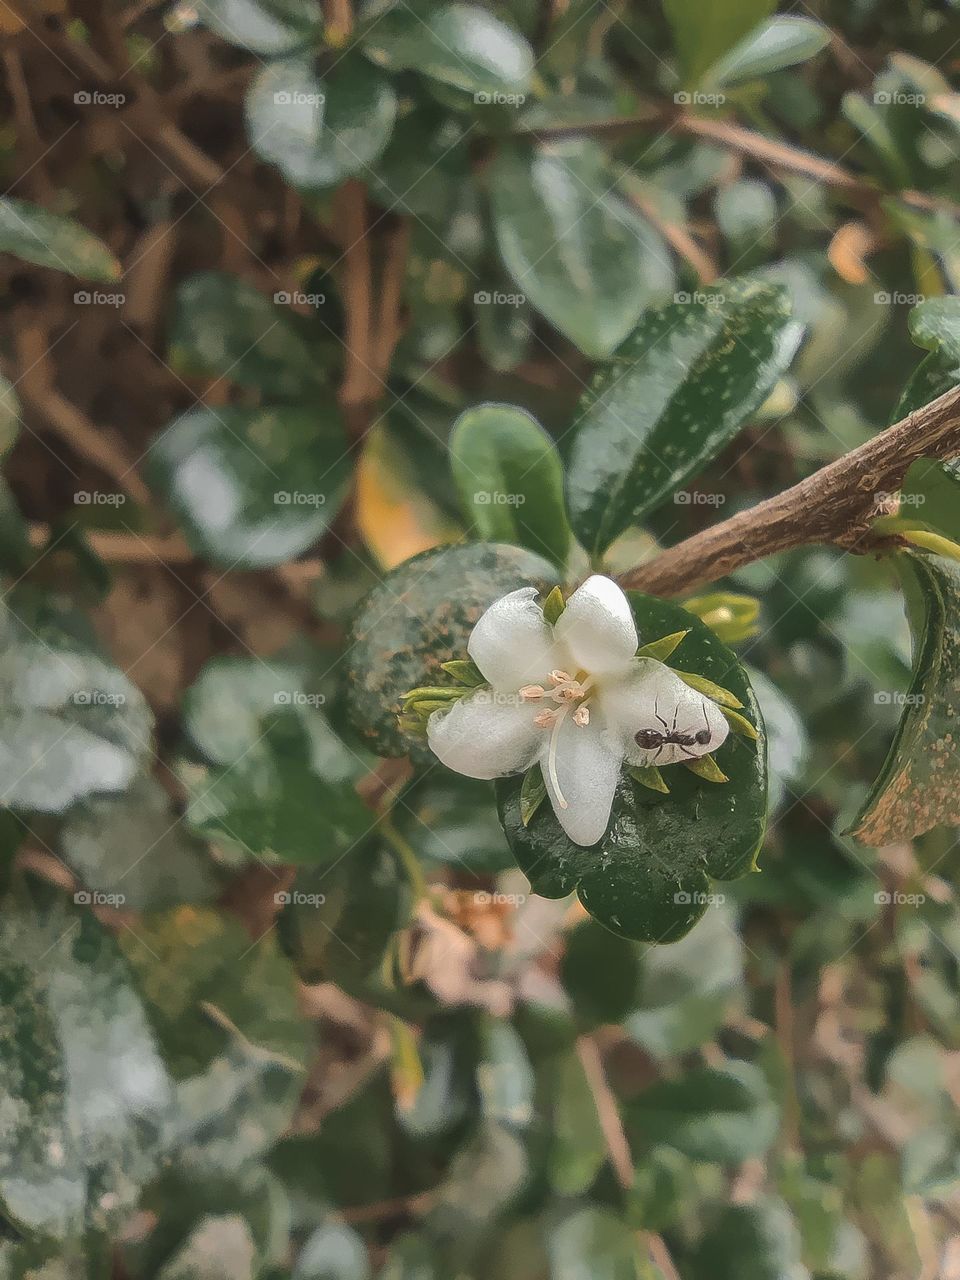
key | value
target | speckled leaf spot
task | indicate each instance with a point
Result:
(919, 786)
(49, 240)
(676, 391)
(649, 876)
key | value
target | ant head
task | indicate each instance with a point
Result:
(648, 739)
(702, 737)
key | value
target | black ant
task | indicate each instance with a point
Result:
(654, 740)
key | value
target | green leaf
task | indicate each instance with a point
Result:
(677, 391)
(85, 1090)
(577, 1145)
(594, 1242)
(707, 769)
(533, 792)
(461, 45)
(919, 784)
(788, 742)
(135, 848)
(722, 1116)
(274, 805)
(703, 34)
(553, 605)
(710, 689)
(332, 1252)
(419, 617)
(931, 491)
(452, 820)
(649, 776)
(48, 240)
(508, 473)
(200, 975)
(319, 130)
(781, 42)
(573, 247)
(600, 973)
(223, 327)
(464, 671)
(758, 1241)
(731, 615)
(661, 649)
(505, 1079)
(686, 990)
(264, 27)
(71, 724)
(252, 487)
(649, 876)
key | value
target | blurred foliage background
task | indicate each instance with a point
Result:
(272, 1006)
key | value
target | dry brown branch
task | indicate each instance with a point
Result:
(835, 505)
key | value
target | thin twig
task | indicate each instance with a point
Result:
(358, 390)
(836, 505)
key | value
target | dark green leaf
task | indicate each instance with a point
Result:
(781, 42)
(199, 974)
(919, 785)
(573, 247)
(461, 45)
(678, 390)
(420, 616)
(48, 240)
(274, 805)
(505, 1079)
(704, 34)
(451, 819)
(723, 1116)
(319, 130)
(252, 487)
(223, 327)
(135, 848)
(600, 972)
(84, 1088)
(593, 1242)
(577, 1145)
(71, 725)
(931, 492)
(757, 1241)
(510, 480)
(648, 878)
(263, 26)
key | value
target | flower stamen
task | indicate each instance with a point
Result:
(581, 717)
(545, 719)
(560, 677)
(532, 692)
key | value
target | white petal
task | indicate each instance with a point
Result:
(652, 696)
(587, 769)
(486, 735)
(512, 644)
(597, 627)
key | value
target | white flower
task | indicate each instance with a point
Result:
(572, 697)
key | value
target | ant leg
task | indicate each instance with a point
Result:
(656, 712)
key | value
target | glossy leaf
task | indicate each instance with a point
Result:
(71, 724)
(649, 876)
(677, 391)
(276, 26)
(319, 130)
(758, 1241)
(702, 35)
(85, 1089)
(252, 487)
(419, 617)
(600, 973)
(29, 232)
(461, 45)
(919, 785)
(781, 42)
(573, 247)
(510, 480)
(223, 327)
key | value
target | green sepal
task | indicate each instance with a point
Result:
(444, 693)
(715, 692)
(554, 605)
(464, 670)
(740, 724)
(661, 649)
(706, 767)
(730, 616)
(533, 792)
(648, 776)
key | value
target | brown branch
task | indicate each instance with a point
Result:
(359, 387)
(747, 142)
(836, 505)
(677, 236)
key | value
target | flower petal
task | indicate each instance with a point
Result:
(597, 627)
(512, 644)
(652, 696)
(587, 769)
(486, 735)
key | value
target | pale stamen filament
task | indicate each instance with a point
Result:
(583, 690)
